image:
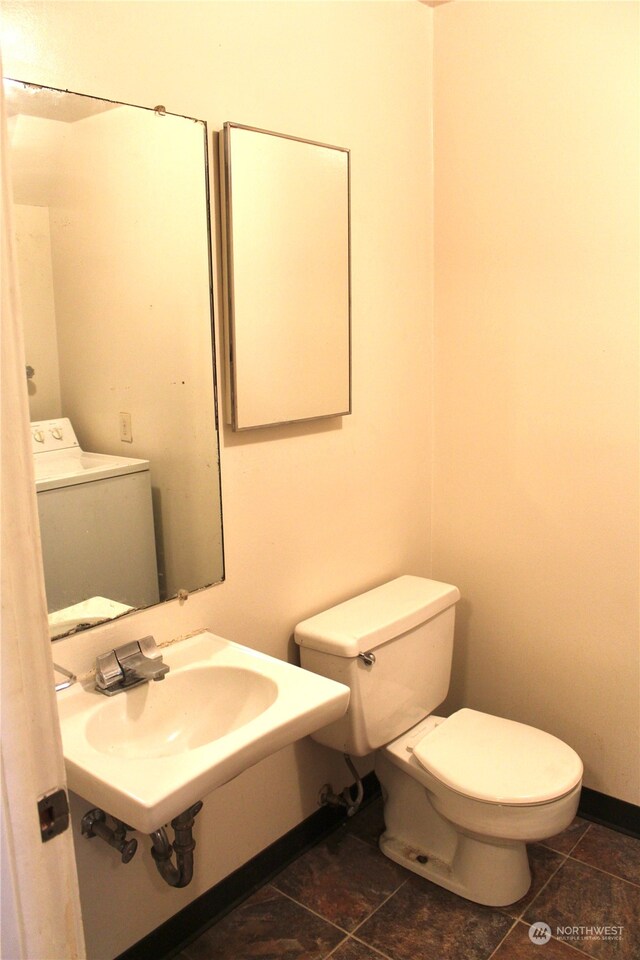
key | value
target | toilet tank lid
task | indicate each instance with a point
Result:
(372, 618)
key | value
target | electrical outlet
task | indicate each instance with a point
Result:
(125, 428)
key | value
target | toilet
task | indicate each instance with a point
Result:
(463, 794)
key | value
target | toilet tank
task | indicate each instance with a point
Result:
(407, 625)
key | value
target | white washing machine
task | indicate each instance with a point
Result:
(96, 522)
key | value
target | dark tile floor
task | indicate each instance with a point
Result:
(344, 900)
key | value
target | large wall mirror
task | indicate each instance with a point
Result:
(111, 210)
(287, 270)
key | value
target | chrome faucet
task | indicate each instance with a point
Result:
(128, 666)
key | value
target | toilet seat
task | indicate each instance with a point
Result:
(498, 761)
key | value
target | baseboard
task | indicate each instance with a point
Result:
(167, 940)
(609, 811)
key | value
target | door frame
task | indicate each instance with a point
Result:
(40, 897)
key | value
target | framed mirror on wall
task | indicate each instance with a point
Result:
(112, 221)
(286, 264)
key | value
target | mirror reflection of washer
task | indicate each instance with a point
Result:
(96, 521)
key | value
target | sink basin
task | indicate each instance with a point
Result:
(183, 717)
(146, 755)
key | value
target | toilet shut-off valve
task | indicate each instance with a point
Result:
(345, 798)
(94, 825)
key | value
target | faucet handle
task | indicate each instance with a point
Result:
(108, 670)
(127, 666)
(149, 648)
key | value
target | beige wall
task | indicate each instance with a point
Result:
(33, 247)
(536, 362)
(314, 512)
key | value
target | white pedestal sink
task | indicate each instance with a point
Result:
(147, 754)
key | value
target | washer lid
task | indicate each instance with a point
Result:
(499, 761)
(65, 468)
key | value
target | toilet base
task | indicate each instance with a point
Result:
(489, 870)
(482, 872)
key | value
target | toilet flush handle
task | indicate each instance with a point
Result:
(368, 658)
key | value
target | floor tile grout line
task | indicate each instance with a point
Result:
(337, 947)
(607, 873)
(573, 947)
(311, 910)
(349, 933)
(364, 920)
(570, 854)
(378, 953)
(387, 956)
(544, 885)
(566, 858)
(375, 910)
(498, 945)
(572, 848)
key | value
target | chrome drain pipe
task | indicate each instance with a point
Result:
(179, 874)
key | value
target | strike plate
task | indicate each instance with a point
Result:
(53, 812)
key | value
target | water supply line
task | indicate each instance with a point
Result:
(345, 798)
(94, 825)
(180, 873)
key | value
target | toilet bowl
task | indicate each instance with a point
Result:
(464, 794)
(461, 815)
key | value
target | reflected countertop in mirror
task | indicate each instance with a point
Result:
(113, 235)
